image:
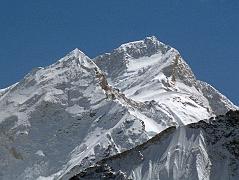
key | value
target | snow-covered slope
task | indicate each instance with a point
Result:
(62, 118)
(203, 150)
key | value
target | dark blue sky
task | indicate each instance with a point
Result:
(37, 33)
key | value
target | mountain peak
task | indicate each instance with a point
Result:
(146, 47)
(149, 40)
(144, 55)
(76, 54)
(75, 57)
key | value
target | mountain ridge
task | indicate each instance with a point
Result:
(212, 131)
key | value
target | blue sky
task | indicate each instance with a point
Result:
(37, 33)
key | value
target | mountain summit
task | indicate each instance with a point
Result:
(62, 119)
(149, 70)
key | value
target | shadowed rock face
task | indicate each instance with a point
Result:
(213, 142)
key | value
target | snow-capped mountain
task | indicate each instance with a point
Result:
(198, 151)
(60, 115)
(65, 117)
(149, 70)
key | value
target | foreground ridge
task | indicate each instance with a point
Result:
(195, 151)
